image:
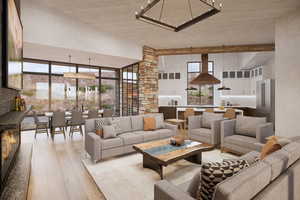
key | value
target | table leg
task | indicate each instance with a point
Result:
(148, 163)
(197, 158)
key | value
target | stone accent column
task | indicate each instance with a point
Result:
(148, 81)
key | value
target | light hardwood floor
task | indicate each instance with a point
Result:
(57, 172)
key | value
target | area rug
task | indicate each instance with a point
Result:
(124, 177)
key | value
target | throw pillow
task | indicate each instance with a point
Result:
(208, 118)
(109, 132)
(214, 173)
(99, 123)
(270, 147)
(116, 123)
(159, 121)
(247, 125)
(149, 123)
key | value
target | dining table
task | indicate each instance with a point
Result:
(68, 117)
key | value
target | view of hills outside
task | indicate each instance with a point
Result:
(63, 90)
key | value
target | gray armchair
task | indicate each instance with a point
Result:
(244, 134)
(205, 128)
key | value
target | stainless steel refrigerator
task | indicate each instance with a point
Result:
(265, 99)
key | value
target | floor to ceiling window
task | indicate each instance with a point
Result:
(45, 87)
(36, 85)
(203, 95)
(130, 90)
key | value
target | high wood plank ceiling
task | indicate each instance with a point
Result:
(240, 22)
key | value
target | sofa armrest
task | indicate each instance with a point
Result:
(263, 131)
(216, 131)
(93, 145)
(172, 127)
(227, 129)
(163, 190)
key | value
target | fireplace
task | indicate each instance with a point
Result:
(10, 144)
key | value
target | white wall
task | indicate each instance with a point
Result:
(243, 90)
(287, 74)
(45, 26)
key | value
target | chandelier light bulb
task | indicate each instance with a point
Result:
(221, 5)
(142, 7)
(136, 13)
(149, 1)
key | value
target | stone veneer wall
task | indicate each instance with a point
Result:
(7, 100)
(148, 81)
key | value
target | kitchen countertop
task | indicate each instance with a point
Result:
(208, 106)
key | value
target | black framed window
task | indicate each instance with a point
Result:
(130, 90)
(46, 88)
(205, 94)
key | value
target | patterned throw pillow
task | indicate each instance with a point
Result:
(214, 173)
(99, 123)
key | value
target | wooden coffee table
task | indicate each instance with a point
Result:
(159, 154)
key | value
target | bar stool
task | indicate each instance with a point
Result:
(188, 112)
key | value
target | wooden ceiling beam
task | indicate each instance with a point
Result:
(216, 49)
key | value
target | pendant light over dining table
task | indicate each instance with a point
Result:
(204, 78)
(80, 75)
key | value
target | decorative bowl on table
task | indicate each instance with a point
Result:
(177, 140)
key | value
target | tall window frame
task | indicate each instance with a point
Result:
(50, 75)
(130, 89)
(197, 97)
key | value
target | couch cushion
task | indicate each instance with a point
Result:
(121, 124)
(109, 132)
(247, 125)
(111, 143)
(149, 135)
(208, 118)
(204, 132)
(137, 123)
(131, 138)
(159, 121)
(214, 173)
(246, 184)
(241, 140)
(278, 162)
(164, 133)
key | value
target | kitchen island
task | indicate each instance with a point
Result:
(176, 112)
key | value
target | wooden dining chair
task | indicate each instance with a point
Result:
(230, 113)
(40, 127)
(58, 122)
(93, 114)
(211, 110)
(76, 123)
(188, 112)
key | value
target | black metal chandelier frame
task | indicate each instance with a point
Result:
(141, 15)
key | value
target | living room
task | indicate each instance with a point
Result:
(151, 99)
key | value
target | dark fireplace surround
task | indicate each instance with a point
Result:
(10, 133)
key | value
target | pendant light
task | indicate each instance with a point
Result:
(80, 75)
(223, 87)
(204, 78)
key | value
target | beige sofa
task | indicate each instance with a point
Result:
(132, 133)
(277, 177)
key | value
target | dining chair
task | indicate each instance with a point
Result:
(76, 123)
(59, 121)
(210, 110)
(188, 112)
(93, 114)
(107, 113)
(40, 127)
(230, 113)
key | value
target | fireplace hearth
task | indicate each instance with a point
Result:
(10, 144)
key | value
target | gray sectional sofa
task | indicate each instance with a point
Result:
(132, 133)
(277, 177)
